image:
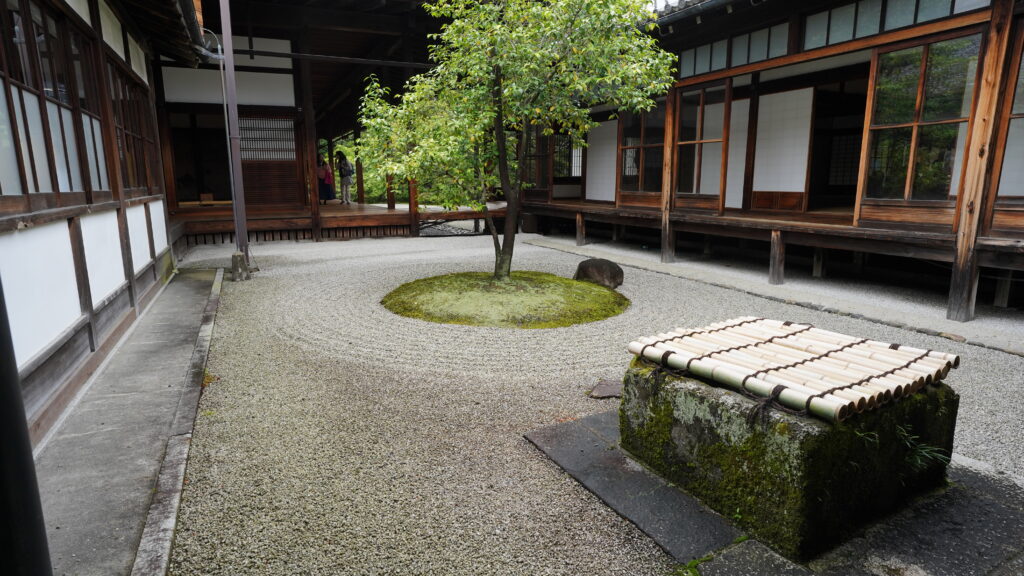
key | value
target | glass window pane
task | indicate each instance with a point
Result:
(779, 41)
(654, 125)
(896, 86)
(1018, 98)
(35, 129)
(719, 55)
(949, 78)
(90, 152)
(887, 163)
(101, 154)
(759, 45)
(629, 180)
(933, 165)
(652, 168)
(1011, 183)
(59, 152)
(958, 162)
(711, 168)
(10, 173)
(899, 13)
(714, 114)
(869, 17)
(965, 5)
(630, 128)
(686, 173)
(739, 49)
(689, 106)
(24, 138)
(841, 25)
(74, 165)
(816, 30)
(933, 9)
(19, 61)
(686, 63)
(703, 62)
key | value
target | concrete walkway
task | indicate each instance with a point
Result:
(97, 471)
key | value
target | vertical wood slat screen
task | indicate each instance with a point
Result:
(269, 161)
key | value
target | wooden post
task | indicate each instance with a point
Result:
(668, 233)
(963, 287)
(414, 216)
(819, 263)
(309, 122)
(707, 245)
(858, 263)
(776, 269)
(581, 229)
(1002, 297)
(616, 232)
(390, 192)
(360, 191)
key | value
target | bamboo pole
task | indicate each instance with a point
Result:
(656, 349)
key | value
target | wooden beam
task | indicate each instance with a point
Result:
(281, 16)
(777, 266)
(581, 229)
(819, 263)
(964, 283)
(1003, 282)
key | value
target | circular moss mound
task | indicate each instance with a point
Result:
(525, 300)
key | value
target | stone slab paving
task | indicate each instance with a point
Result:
(587, 449)
(98, 469)
(342, 439)
(976, 526)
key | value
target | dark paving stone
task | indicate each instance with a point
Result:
(975, 527)
(588, 450)
(607, 388)
(750, 557)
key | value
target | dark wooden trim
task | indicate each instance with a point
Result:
(992, 200)
(22, 221)
(129, 202)
(668, 244)
(82, 277)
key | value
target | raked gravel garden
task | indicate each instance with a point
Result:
(335, 437)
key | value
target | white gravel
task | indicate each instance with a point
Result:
(342, 439)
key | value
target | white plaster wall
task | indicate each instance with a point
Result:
(138, 58)
(241, 44)
(81, 7)
(156, 217)
(138, 233)
(102, 254)
(204, 87)
(602, 147)
(738, 124)
(41, 293)
(112, 33)
(783, 141)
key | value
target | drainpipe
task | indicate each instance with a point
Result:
(23, 544)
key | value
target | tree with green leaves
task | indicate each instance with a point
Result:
(506, 70)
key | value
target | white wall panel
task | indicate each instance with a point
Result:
(602, 148)
(156, 216)
(738, 124)
(112, 33)
(783, 141)
(102, 254)
(138, 233)
(138, 57)
(41, 292)
(81, 7)
(204, 87)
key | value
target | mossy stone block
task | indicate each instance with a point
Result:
(796, 483)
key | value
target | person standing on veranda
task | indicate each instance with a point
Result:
(346, 170)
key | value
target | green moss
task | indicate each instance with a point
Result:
(525, 300)
(797, 484)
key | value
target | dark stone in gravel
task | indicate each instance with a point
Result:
(607, 388)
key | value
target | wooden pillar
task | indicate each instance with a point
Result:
(390, 192)
(777, 267)
(414, 215)
(581, 229)
(963, 286)
(82, 277)
(1002, 297)
(707, 245)
(668, 233)
(819, 263)
(360, 191)
(616, 232)
(858, 263)
(309, 136)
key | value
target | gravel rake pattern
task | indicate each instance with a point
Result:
(343, 439)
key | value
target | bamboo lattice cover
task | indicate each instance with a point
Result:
(798, 366)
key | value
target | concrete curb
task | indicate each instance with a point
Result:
(154, 552)
(660, 268)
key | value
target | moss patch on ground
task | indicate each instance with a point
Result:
(525, 300)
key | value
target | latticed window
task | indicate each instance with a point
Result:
(642, 150)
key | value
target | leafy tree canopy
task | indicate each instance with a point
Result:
(506, 69)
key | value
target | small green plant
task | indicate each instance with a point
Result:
(920, 455)
(691, 567)
(868, 437)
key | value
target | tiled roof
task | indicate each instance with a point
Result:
(666, 7)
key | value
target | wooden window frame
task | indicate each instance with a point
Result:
(681, 199)
(1003, 133)
(870, 127)
(641, 151)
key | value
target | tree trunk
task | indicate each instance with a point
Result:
(503, 258)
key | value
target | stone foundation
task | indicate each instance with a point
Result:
(796, 483)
